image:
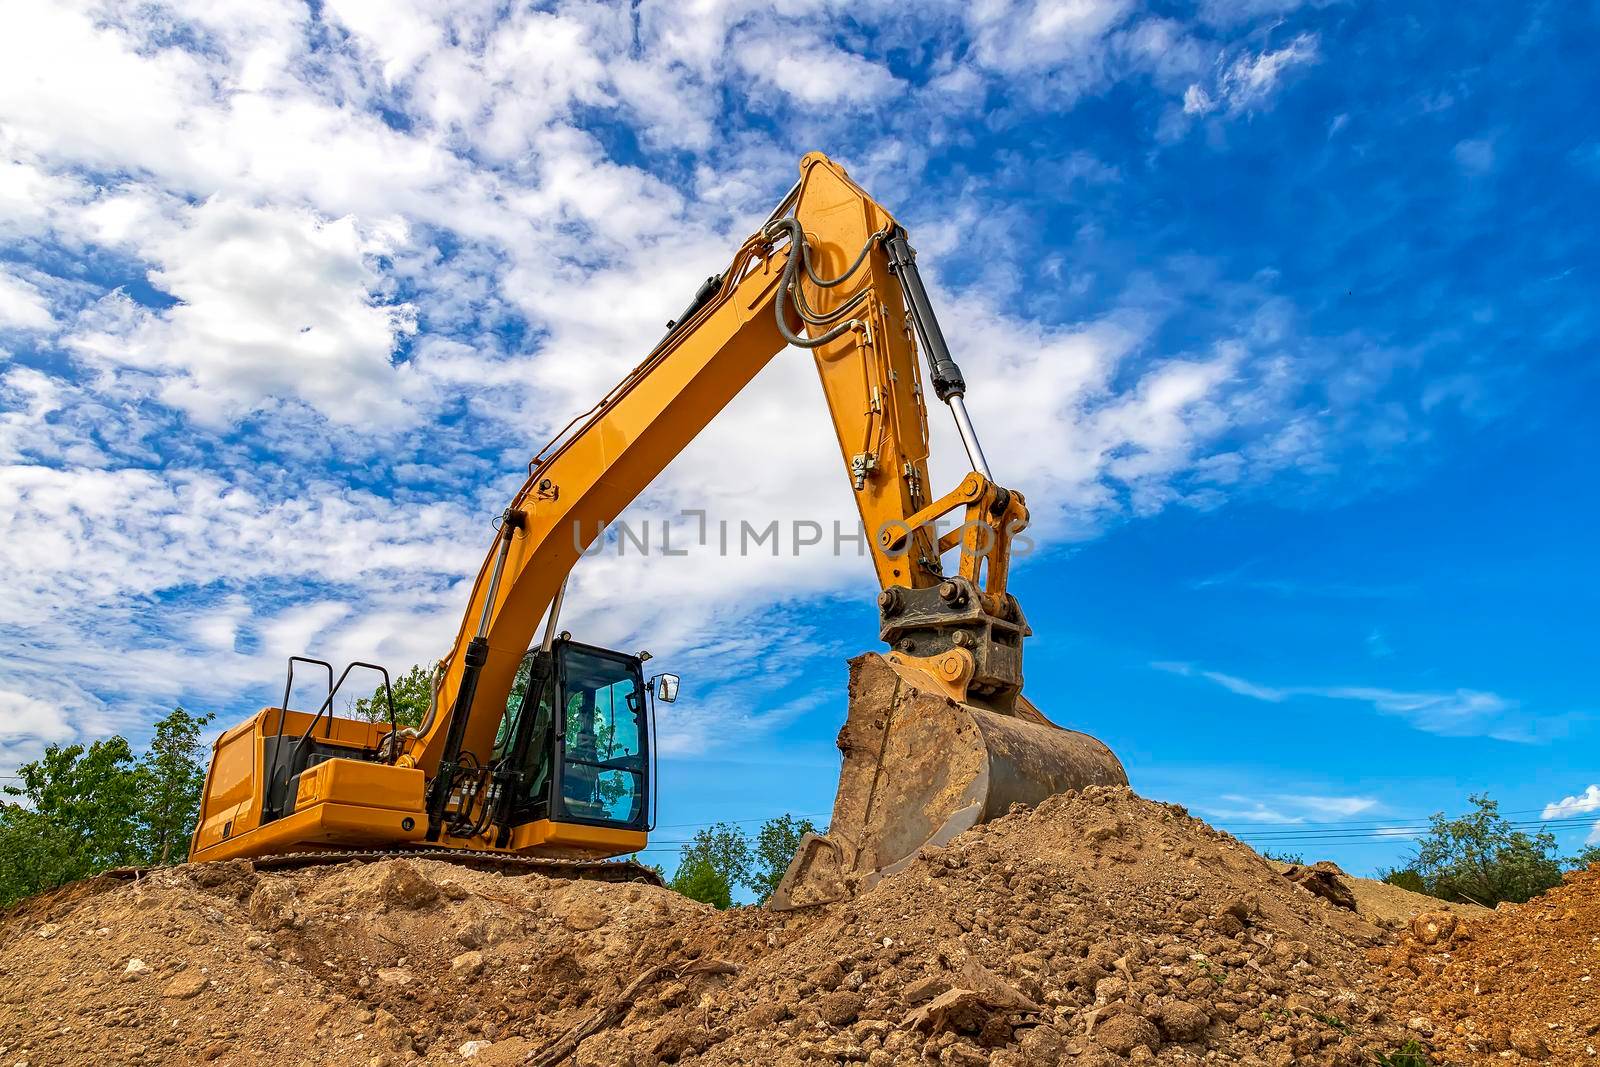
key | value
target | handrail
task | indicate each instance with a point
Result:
(288, 684)
(327, 705)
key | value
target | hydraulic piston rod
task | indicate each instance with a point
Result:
(948, 383)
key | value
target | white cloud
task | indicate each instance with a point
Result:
(1026, 35)
(814, 72)
(1244, 688)
(22, 305)
(1251, 80)
(1456, 713)
(1581, 804)
(1248, 83)
(1336, 807)
(23, 716)
(1290, 809)
(273, 303)
(1232, 11)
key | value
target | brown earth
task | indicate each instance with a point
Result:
(1386, 905)
(1097, 929)
(1514, 985)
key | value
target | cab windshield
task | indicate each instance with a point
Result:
(602, 761)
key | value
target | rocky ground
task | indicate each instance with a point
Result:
(1097, 929)
(1518, 983)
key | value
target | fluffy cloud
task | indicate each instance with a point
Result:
(22, 305)
(272, 303)
(1583, 803)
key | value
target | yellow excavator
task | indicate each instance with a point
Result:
(537, 751)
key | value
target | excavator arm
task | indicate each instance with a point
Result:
(830, 272)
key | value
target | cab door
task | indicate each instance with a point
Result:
(603, 739)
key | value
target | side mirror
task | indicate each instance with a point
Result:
(666, 687)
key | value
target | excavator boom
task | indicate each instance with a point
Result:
(509, 757)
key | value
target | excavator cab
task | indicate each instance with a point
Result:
(588, 729)
(571, 773)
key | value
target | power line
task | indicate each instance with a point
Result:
(740, 822)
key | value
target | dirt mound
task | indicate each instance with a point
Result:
(1392, 907)
(1516, 984)
(1098, 928)
(1385, 905)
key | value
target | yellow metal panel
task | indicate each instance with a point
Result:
(600, 841)
(373, 785)
(321, 826)
(231, 787)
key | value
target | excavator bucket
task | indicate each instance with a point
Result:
(919, 768)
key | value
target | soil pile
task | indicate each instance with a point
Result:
(1518, 984)
(1098, 928)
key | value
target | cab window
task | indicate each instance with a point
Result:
(602, 771)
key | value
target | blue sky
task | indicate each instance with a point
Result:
(1281, 314)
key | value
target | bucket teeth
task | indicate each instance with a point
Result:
(919, 768)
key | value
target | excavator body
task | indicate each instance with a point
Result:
(546, 754)
(579, 748)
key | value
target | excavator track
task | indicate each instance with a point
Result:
(503, 863)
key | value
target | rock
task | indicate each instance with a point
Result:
(272, 906)
(239, 876)
(1244, 907)
(136, 966)
(393, 975)
(1123, 1033)
(1182, 1021)
(186, 986)
(1323, 879)
(467, 965)
(1528, 1043)
(471, 1049)
(1043, 1046)
(580, 912)
(1434, 927)
(48, 930)
(403, 886)
(1227, 924)
(1420, 1024)
(925, 988)
(828, 976)
(840, 1008)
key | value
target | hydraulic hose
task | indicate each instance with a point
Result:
(800, 255)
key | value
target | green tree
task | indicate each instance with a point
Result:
(775, 845)
(413, 692)
(698, 880)
(1585, 857)
(1480, 858)
(77, 812)
(712, 862)
(172, 773)
(1406, 878)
